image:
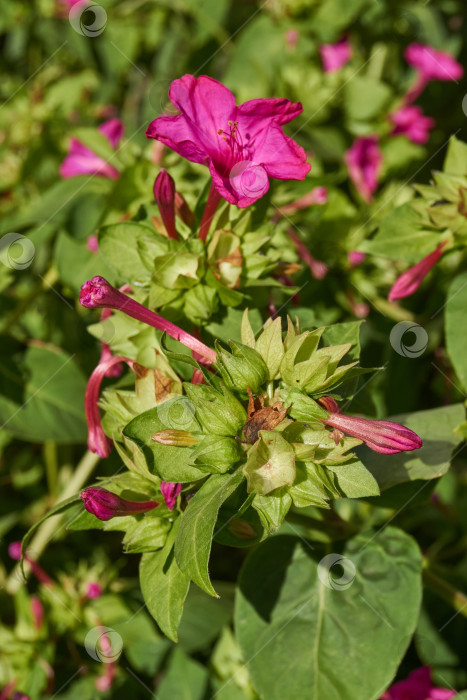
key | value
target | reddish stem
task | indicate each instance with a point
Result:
(210, 209)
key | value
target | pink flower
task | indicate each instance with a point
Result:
(364, 160)
(291, 38)
(433, 64)
(106, 505)
(316, 196)
(334, 56)
(243, 146)
(381, 436)
(170, 492)
(93, 590)
(82, 161)
(417, 686)
(355, 257)
(411, 122)
(411, 279)
(164, 194)
(98, 293)
(14, 551)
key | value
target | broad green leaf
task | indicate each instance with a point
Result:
(194, 538)
(118, 245)
(164, 586)
(170, 463)
(203, 617)
(456, 157)
(436, 428)
(185, 679)
(270, 347)
(456, 322)
(341, 620)
(355, 480)
(400, 237)
(76, 264)
(52, 407)
(357, 104)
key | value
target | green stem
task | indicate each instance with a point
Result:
(50, 526)
(51, 466)
(457, 599)
(334, 528)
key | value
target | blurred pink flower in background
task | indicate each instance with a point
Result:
(417, 686)
(355, 257)
(243, 146)
(411, 122)
(81, 160)
(411, 279)
(92, 244)
(430, 64)
(93, 590)
(316, 196)
(334, 56)
(364, 160)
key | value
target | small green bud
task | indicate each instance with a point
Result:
(243, 369)
(270, 464)
(174, 438)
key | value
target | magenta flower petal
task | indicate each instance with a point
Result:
(417, 686)
(411, 279)
(82, 161)
(411, 122)
(243, 146)
(364, 160)
(334, 56)
(106, 505)
(170, 492)
(381, 436)
(433, 64)
(316, 196)
(355, 257)
(93, 590)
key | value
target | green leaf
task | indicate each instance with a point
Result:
(118, 245)
(204, 617)
(400, 237)
(456, 320)
(75, 263)
(342, 621)
(185, 679)
(52, 406)
(456, 157)
(355, 480)
(170, 463)
(164, 586)
(436, 428)
(270, 347)
(357, 104)
(194, 538)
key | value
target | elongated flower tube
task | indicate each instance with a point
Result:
(318, 269)
(243, 145)
(37, 612)
(98, 293)
(106, 505)
(411, 279)
(98, 441)
(164, 194)
(381, 436)
(316, 196)
(170, 492)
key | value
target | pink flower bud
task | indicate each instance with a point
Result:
(364, 160)
(106, 505)
(93, 590)
(92, 244)
(411, 279)
(291, 38)
(381, 436)
(412, 123)
(164, 194)
(170, 492)
(355, 257)
(335, 56)
(98, 293)
(14, 550)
